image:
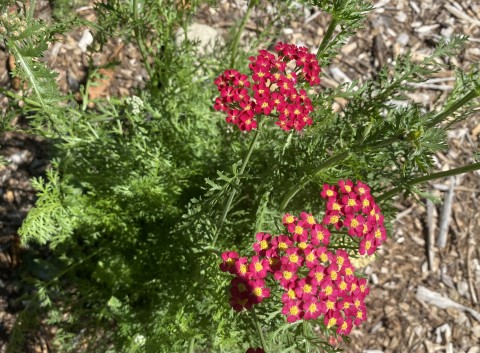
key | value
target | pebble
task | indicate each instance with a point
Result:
(403, 39)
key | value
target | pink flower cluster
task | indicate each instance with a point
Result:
(270, 89)
(353, 207)
(316, 281)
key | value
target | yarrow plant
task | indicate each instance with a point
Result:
(273, 89)
(135, 179)
(318, 281)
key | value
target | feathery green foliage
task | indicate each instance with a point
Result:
(138, 204)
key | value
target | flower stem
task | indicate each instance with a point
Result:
(326, 37)
(226, 209)
(259, 329)
(31, 10)
(141, 44)
(465, 169)
(474, 93)
(331, 161)
(236, 40)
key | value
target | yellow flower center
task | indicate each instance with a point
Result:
(331, 322)
(289, 219)
(307, 288)
(258, 292)
(352, 202)
(243, 269)
(298, 230)
(287, 275)
(330, 305)
(263, 244)
(328, 290)
(282, 245)
(302, 245)
(258, 266)
(310, 257)
(310, 220)
(334, 219)
(354, 223)
(293, 310)
(312, 308)
(329, 193)
(293, 258)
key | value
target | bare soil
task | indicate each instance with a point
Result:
(399, 318)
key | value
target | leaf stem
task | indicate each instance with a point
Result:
(226, 209)
(331, 161)
(236, 40)
(465, 169)
(259, 329)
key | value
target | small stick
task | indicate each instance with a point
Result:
(446, 214)
(431, 234)
(472, 245)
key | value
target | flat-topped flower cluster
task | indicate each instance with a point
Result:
(316, 281)
(353, 207)
(270, 89)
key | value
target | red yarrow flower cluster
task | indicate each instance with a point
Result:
(270, 89)
(316, 281)
(351, 206)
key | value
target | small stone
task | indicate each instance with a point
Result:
(206, 36)
(401, 17)
(403, 39)
(85, 41)
(9, 196)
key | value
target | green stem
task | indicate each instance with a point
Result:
(326, 37)
(259, 329)
(141, 44)
(331, 161)
(425, 178)
(474, 93)
(226, 209)
(191, 346)
(236, 40)
(31, 10)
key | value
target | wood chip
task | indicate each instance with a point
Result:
(436, 299)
